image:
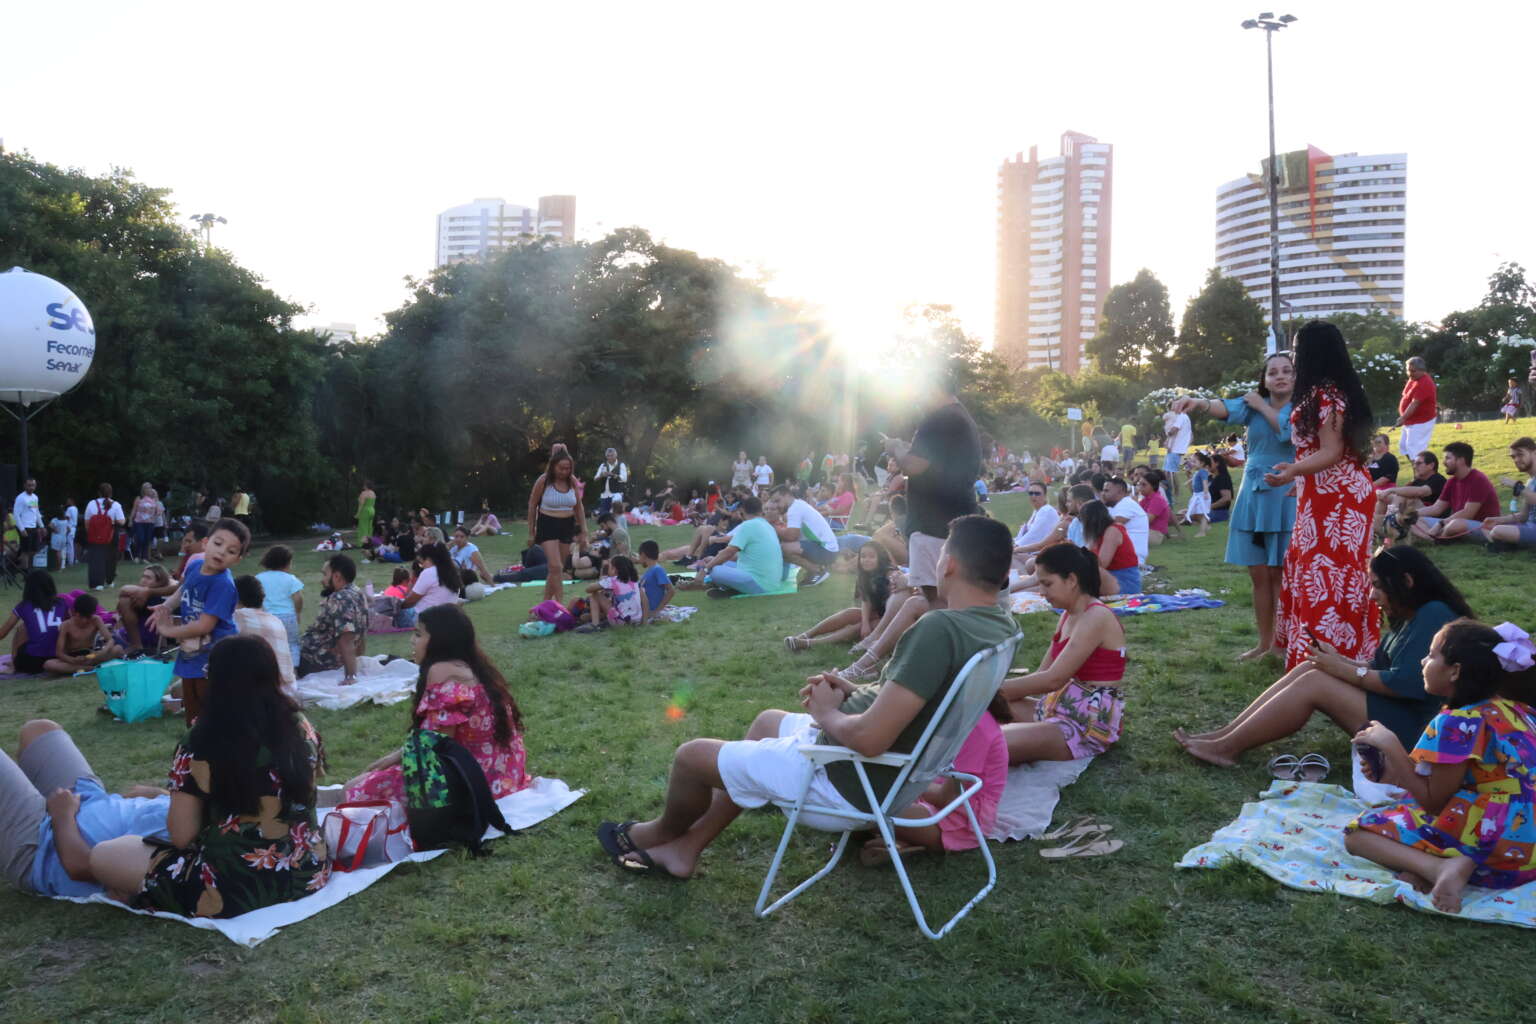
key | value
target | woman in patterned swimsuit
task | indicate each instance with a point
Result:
(1076, 692)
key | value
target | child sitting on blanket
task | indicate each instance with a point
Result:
(84, 640)
(616, 598)
(1472, 775)
(655, 584)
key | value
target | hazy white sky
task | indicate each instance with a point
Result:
(849, 149)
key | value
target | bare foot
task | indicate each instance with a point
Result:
(1203, 750)
(1254, 652)
(668, 858)
(1446, 893)
(1414, 879)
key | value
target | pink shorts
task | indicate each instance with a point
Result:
(1088, 717)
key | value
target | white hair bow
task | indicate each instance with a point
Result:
(1517, 651)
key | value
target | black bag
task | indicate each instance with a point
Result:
(448, 802)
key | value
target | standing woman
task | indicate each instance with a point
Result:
(555, 518)
(146, 510)
(741, 471)
(366, 500)
(1263, 515)
(1325, 585)
(101, 540)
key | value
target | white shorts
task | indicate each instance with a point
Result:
(757, 772)
(1415, 438)
(1199, 505)
(923, 559)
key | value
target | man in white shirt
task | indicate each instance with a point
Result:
(29, 517)
(614, 475)
(1177, 431)
(1042, 522)
(805, 536)
(1125, 511)
(762, 476)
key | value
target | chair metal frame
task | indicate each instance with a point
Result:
(996, 661)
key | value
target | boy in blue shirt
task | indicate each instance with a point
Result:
(53, 809)
(202, 611)
(655, 584)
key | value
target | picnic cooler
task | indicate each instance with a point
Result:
(366, 834)
(133, 688)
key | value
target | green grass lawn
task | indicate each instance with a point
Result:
(547, 930)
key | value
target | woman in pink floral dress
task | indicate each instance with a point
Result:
(460, 694)
(1325, 590)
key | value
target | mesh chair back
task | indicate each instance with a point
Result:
(973, 689)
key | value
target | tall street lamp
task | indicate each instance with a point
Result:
(1271, 24)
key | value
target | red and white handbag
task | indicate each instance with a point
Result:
(366, 834)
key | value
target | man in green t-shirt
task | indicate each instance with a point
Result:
(752, 563)
(712, 781)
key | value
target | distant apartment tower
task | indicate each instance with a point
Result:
(486, 225)
(1342, 228)
(338, 333)
(1053, 238)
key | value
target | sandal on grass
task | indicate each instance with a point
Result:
(615, 840)
(875, 853)
(1283, 767)
(1312, 768)
(797, 643)
(1093, 843)
(1071, 829)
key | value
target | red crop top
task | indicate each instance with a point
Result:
(1104, 664)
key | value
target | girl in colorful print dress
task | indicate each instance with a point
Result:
(460, 694)
(1472, 774)
(1325, 589)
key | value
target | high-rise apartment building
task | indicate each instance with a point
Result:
(485, 225)
(1342, 228)
(1053, 236)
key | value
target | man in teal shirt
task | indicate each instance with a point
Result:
(712, 781)
(752, 563)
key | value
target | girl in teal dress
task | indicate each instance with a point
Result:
(1262, 516)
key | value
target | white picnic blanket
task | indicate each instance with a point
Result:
(1030, 797)
(376, 681)
(523, 809)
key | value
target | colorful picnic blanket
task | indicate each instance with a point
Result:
(1295, 835)
(1148, 604)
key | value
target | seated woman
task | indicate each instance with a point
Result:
(840, 505)
(487, 525)
(461, 695)
(1471, 776)
(1080, 677)
(1417, 600)
(36, 621)
(1111, 545)
(871, 594)
(1221, 490)
(890, 535)
(467, 558)
(437, 584)
(242, 819)
(1149, 491)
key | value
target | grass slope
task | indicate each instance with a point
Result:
(546, 930)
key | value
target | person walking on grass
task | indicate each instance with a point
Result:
(1417, 410)
(1263, 516)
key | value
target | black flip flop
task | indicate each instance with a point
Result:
(615, 840)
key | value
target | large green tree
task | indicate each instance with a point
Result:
(199, 378)
(1221, 337)
(1136, 323)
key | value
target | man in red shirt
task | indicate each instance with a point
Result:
(1466, 500)
(1416, 412)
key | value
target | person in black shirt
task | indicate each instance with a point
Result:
(1383, 465)
(1397, 507)
(941, 465)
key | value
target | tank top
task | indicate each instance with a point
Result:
(555, 500)
(1125, 554)
(1104, 664)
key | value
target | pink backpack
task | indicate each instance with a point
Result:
(554, 612)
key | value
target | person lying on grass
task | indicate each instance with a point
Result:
(53, 810)
(1417, 600)
(1471, 775)
(712, 781)
(1071, 706)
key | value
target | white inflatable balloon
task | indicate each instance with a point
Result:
(47, 339)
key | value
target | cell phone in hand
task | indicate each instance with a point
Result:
(1375, 764)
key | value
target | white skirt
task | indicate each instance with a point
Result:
(1199, 505)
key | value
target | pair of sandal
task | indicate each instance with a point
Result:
(1307, 768)
(1083, 838)
(616, 843)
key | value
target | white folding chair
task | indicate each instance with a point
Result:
(932, 756)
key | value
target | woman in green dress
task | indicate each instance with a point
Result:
(365, 502)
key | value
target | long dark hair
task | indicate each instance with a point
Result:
(1070, 560)
(1096, 521)
(247, 714)
(451, 637)
(1322, 361)
(1469, 644)
(38, 589)
(559, 453)
(1410, 581)
(874, 587)
(1264, 369)
(447, 571)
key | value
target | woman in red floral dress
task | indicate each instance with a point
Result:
(1325, 590)
(459, 694)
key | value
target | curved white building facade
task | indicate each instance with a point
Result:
(486, 225)
(1343, 232)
